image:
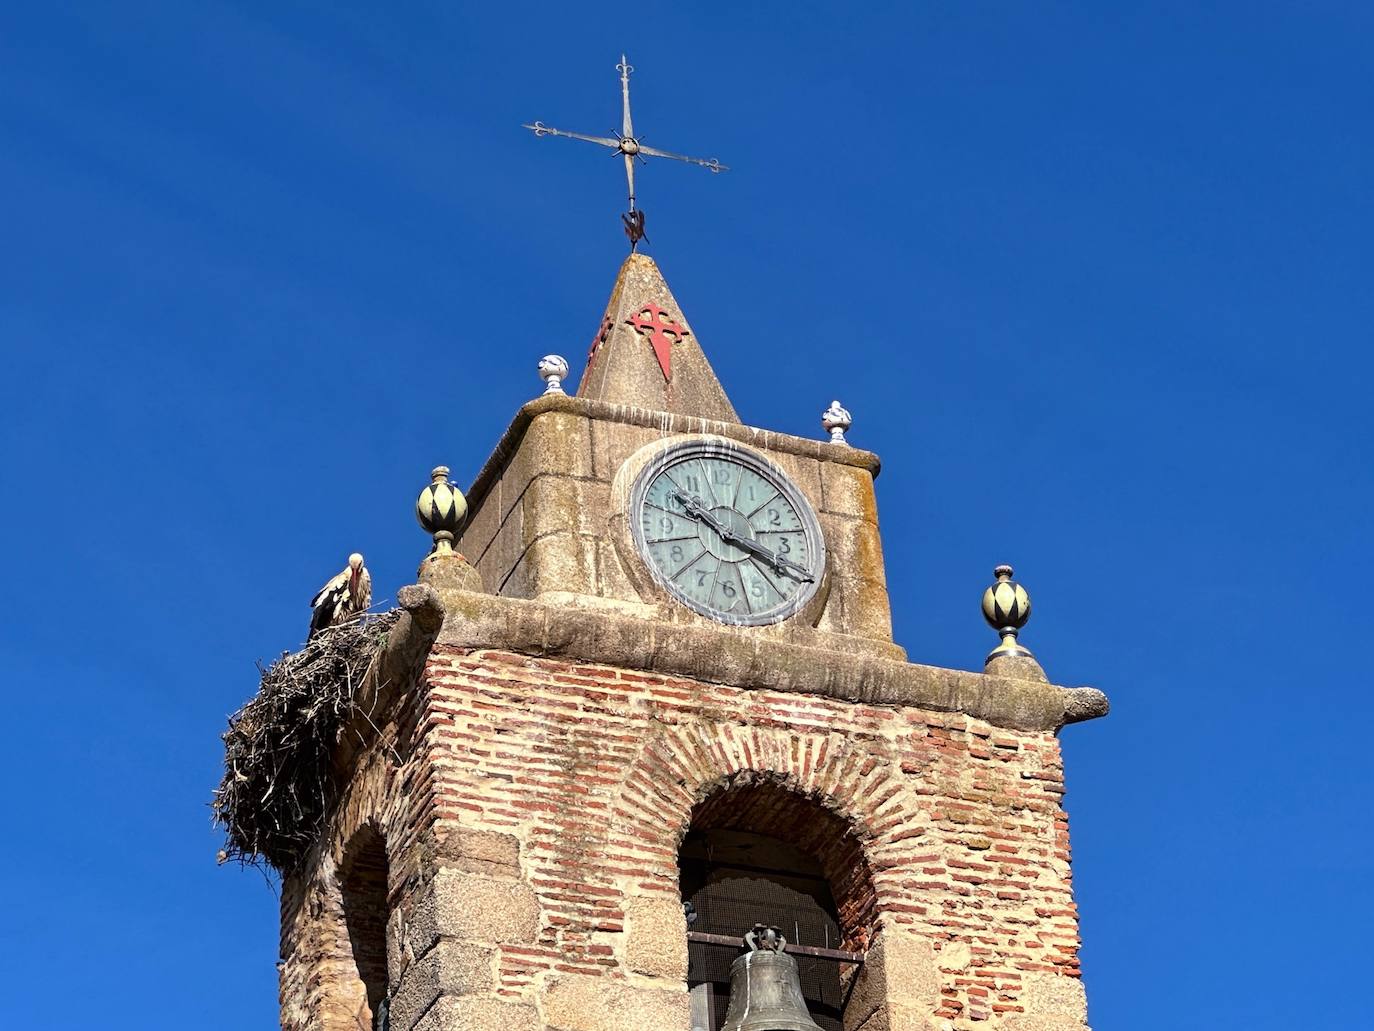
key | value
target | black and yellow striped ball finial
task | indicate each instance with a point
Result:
(1007, 608)
(442, 510)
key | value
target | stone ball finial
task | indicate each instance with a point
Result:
(1007, 608)
(836, 420)
(441, 510)
(553, 370)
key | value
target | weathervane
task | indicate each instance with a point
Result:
(632, 149)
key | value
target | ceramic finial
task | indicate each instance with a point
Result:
(836, 420)
(553, 369)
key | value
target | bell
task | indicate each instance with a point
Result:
(765, 991)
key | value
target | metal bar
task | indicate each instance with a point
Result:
(729, 941)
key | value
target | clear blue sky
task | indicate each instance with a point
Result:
(1094, 282)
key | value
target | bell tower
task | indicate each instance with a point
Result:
(638, 747)
(638, 751)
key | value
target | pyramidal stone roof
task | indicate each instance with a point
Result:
(645, 354)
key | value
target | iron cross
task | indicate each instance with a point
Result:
(630, 146)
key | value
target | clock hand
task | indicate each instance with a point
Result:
(782, 565)
(697, 510)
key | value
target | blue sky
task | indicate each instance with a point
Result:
(1093, 281)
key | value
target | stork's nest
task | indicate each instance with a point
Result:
(278, 749)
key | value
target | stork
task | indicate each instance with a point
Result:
(343, 597)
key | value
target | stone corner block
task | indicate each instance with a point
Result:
(480, 1013)
(451, 968)
(474, 907)
(898, 985)
(1053, 1002)
(655, 939)
(480, 851)
(584, 1003)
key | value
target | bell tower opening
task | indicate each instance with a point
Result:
(760, 853)
(363, 887)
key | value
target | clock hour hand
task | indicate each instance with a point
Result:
(697, 511)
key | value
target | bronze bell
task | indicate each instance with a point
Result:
(765, 991)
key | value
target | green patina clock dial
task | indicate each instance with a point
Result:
(727, 533)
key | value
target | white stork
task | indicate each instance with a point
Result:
(345, 596)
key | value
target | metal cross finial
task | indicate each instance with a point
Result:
(632, 149)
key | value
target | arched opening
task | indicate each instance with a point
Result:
(758, 852)
(363, 884)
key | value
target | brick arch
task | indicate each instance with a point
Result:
(363, 878)
(768, 804)
(854, 786)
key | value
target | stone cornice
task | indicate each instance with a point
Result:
(734, 656)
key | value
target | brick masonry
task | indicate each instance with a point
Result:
(541, 808)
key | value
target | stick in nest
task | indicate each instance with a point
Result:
(279, 746)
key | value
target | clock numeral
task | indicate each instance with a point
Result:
(774, 517)
(727, 589)
(721, 476)
(666, 524)
(675, 552)
(691, 483)
(701, 578)
(784, 546)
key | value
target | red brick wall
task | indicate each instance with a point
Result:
(955, 828)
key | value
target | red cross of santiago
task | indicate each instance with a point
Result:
(600, 337)
(649, 322)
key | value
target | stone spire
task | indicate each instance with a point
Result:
(645, 354)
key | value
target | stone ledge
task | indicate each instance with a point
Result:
(729, 655)
(665, 422)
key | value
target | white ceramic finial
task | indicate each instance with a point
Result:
(836, 420)
(553, 368)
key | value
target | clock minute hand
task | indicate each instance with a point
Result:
(697, 510)
(782, 565)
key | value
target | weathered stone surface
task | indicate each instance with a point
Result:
(655, 937)
(450, 572)
(898, 964)
(1039, 1023)
(1052, 1002)
(584, 1003)
(900, 1018)
(848, 490)
(494, 850)
(560, 561)
(751, 660)
(479, 1013)
(451, 967)
(554, 502)
(475, 908)
(1015, 667)
(557, 442)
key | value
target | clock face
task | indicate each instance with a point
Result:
(727, 534)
